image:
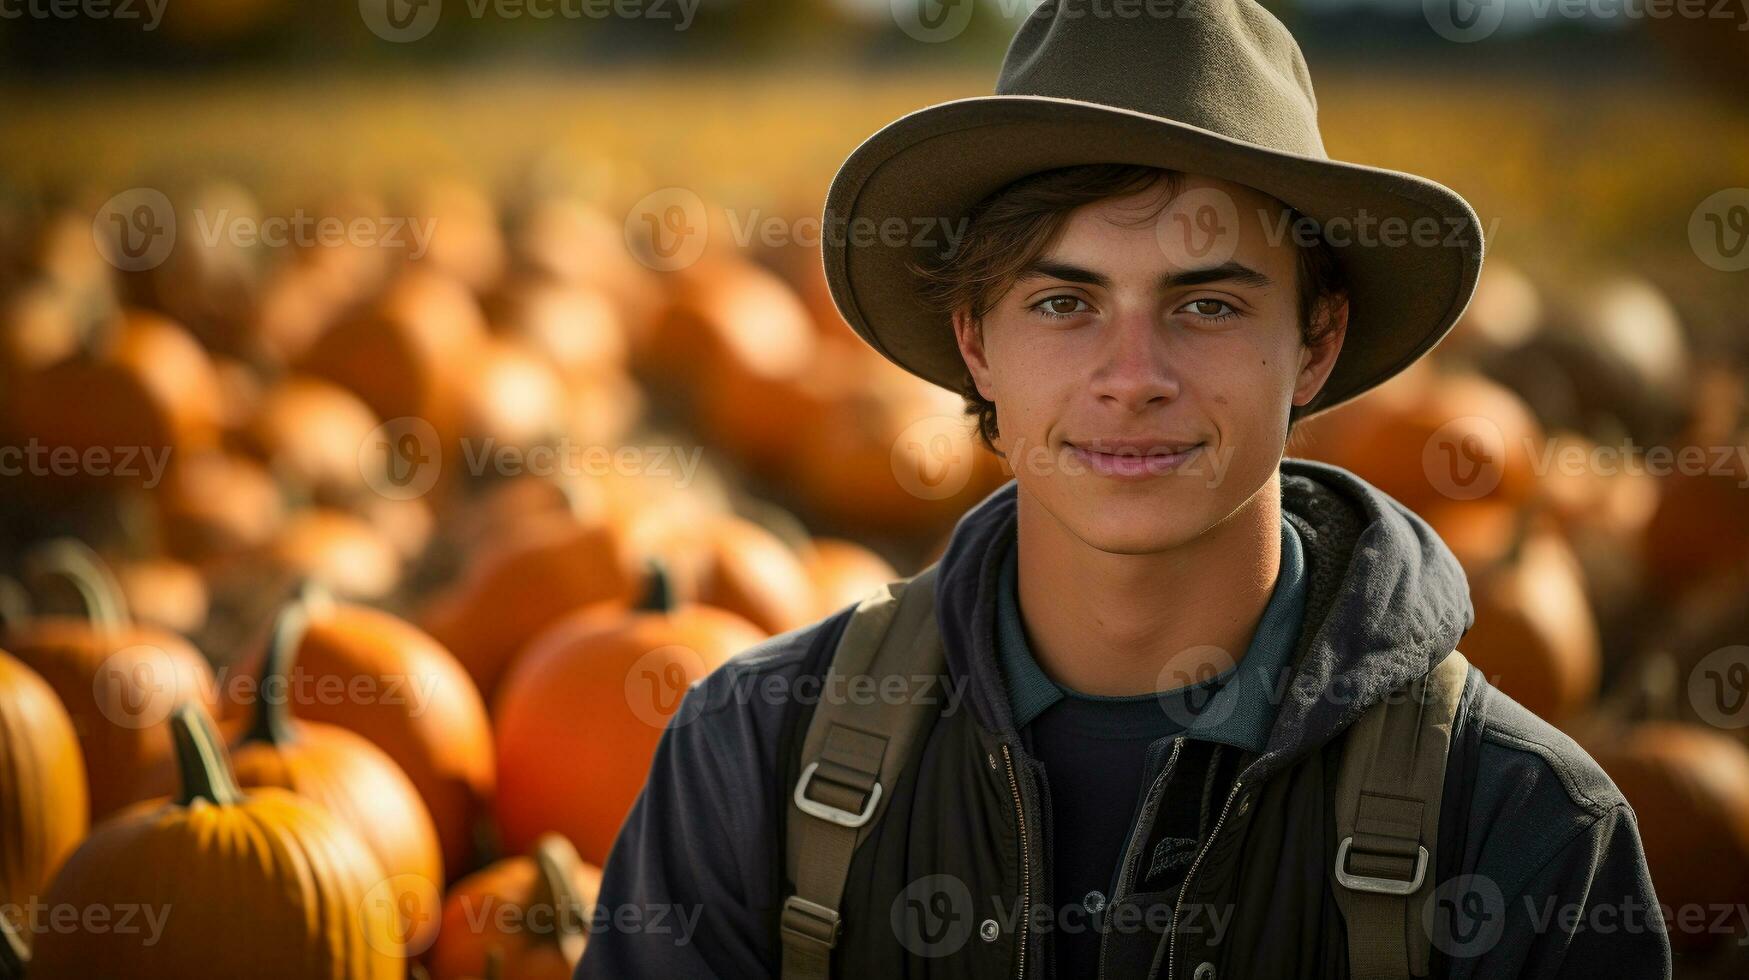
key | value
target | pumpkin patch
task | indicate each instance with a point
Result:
(211, 849)
(444, 532)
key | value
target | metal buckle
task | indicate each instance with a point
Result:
(810, 920)
(831, 814)
(1378, 886)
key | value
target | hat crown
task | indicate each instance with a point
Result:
(1227, 66)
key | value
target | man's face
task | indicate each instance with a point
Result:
(1142, 380)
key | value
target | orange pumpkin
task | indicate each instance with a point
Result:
(465, 243)
(302, 298)
(217, 504)
(729, 314)
(264, 884)
(1699, 533)
(512, 396)
(163, 592)
(1689, 788)
(732, 563)
(371, 673)
(545, 569)
(409, 355)
(530, 912)
(118, 680)
(578, 327)
(592, 695)
(44, 322)
(1535, 635)
(317, 436)
(891, 453)
(43, 809)
(752, 413)
(576, 243)
(158, 392)
(500, 507)
(1428, 438)
(342, 551)
(843, 572)
(349, 777)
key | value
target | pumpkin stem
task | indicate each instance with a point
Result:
(200, 759)
(272, 722)
(556, 888)
(73, 560)
(494, 964)
(13, 954)
(578, 504)
(314, 598)
(14, 603)
(658, 589)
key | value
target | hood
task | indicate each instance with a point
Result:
(1385, 602)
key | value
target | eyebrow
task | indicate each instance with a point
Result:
(1229, 271)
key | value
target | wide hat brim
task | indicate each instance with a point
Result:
(1411, 249)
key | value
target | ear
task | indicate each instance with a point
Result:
(969, 335)
(1317, 361)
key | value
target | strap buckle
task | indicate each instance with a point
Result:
(1379, 886)
(810, 921)
(829, 813)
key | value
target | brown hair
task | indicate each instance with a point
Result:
(1008, 230)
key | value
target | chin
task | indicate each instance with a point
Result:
(1134, 525)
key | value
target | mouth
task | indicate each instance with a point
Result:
(1133, 460)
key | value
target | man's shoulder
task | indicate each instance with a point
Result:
(772, 676)
(1537, 802)
(1534, 761)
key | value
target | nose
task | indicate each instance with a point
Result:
(1134, 371)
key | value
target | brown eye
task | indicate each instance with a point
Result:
(1061, 306)
(1213, 309)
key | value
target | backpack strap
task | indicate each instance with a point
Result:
(858, 741)
(1388, 795)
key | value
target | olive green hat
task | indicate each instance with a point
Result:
(1211, 87)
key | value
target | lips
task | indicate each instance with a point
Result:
(1132, 458)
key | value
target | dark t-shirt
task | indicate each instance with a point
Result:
(1095, 749)
(1095, 754)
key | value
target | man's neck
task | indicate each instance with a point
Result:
(1108, 624)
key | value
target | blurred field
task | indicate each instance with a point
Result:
(280, 381)
(1568, 172)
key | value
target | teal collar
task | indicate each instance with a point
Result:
(1241, 711)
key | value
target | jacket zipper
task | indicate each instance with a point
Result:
(1025, 862)
(1139, 834)
(1195, 864)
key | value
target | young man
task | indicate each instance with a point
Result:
(1170, 738)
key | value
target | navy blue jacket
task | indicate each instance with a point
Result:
(1539, 862)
